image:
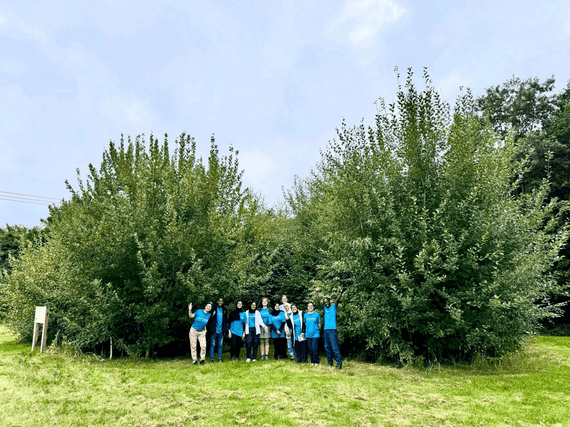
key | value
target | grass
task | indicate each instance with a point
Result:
(527, 389)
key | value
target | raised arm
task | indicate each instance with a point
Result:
(317, 289)
(340, 292)
(190, 314)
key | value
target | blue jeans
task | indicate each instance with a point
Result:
(216, 341)
(290, 347)
(313, 345)
(251, 343)
(331, 347)
(301, 350)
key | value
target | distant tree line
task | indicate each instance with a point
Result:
(447, 228)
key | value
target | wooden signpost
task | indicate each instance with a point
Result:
(41, 317)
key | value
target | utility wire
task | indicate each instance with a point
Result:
(29, 195)
(24, 201)
(27, 198)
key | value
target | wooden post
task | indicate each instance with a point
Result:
(41, 317)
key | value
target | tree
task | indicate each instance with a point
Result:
(419, 223)
(144, 235)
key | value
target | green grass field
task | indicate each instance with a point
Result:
(528, 388)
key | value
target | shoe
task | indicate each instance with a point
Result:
(195, 362)
(248, 360)
(292, 358)
(219, 360)
(266, 357)
(339, 366)
(313, 364)
(254, 360)
(211, 360)
(331, 365)
(202, 362)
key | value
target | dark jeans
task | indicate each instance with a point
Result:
(331, 347)
(280, 346)
(237, 344)
(216, 340)
(313, 344)
(251, 340)
(301, 350)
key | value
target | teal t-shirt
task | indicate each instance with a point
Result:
(330, 317)
(236, 327)
(278, 323)
(311, 321)
(265, 315)
(200, 320)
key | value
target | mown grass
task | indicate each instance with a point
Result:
(528, 388)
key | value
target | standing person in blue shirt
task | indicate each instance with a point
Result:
(277, 322)
(253, 325)
(297, 328)
(312, 321)
(217, 327)
(264, 336)
(236, 320)
(330, 331)
(198, 331)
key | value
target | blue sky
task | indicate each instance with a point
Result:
(272, 78)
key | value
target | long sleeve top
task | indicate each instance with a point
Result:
(258, 322)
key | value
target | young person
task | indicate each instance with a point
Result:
(236, 321)
(264, 336)
(198, 331)
(217, 327)
(253, 325)
(297, 327)
(286, 307)
(277, 322)
(312, 321)
(330, 330)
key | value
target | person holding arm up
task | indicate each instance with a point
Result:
(330, 330)
(312, 332)
(198, 331)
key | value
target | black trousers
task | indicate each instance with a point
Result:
(280, 346)
(237, 344)
(301, 351)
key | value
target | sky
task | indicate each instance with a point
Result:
(273, 79)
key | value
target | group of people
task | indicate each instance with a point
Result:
(295, 334)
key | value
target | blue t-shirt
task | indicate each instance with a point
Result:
(330, 317)
(278, 323)
(251, 319)
(311, 322)
(297, 324)
(265, 315)
(219, 321)
(236, 326)
(200, 320)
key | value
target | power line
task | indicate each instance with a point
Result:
(26, 198)
(24, 201)
(29, 195)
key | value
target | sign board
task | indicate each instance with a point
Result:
(41, 317)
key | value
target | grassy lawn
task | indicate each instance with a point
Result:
(530, 388)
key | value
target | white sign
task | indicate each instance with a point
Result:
(40, 314)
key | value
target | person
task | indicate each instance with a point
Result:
(198, 331)
(329, 330)
(217, 327)
(297, 327)
(253, 325)
(286, 308)
(277, 323)
(236, 321)
(265, 335)
(312, 321)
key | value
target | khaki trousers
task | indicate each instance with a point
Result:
(198, 336)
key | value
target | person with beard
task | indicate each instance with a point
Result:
(330, 332)
(277, 322)
(253, 325)
(217, 327)
(236, 320)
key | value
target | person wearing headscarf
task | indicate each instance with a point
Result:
(253, 328)
(277, 323)
(235, 333)
(297, 328)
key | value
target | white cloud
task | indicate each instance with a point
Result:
(361, 21)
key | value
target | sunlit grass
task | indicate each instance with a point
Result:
(531, 387)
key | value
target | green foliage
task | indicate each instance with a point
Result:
(418, 221)
(145, 234)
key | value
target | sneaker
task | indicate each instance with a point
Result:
(248, 360)
(254, 360)
(211, 360)
(292, 358)
(202, 362)
(195, 362)
(339, 366)
(266, 357)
